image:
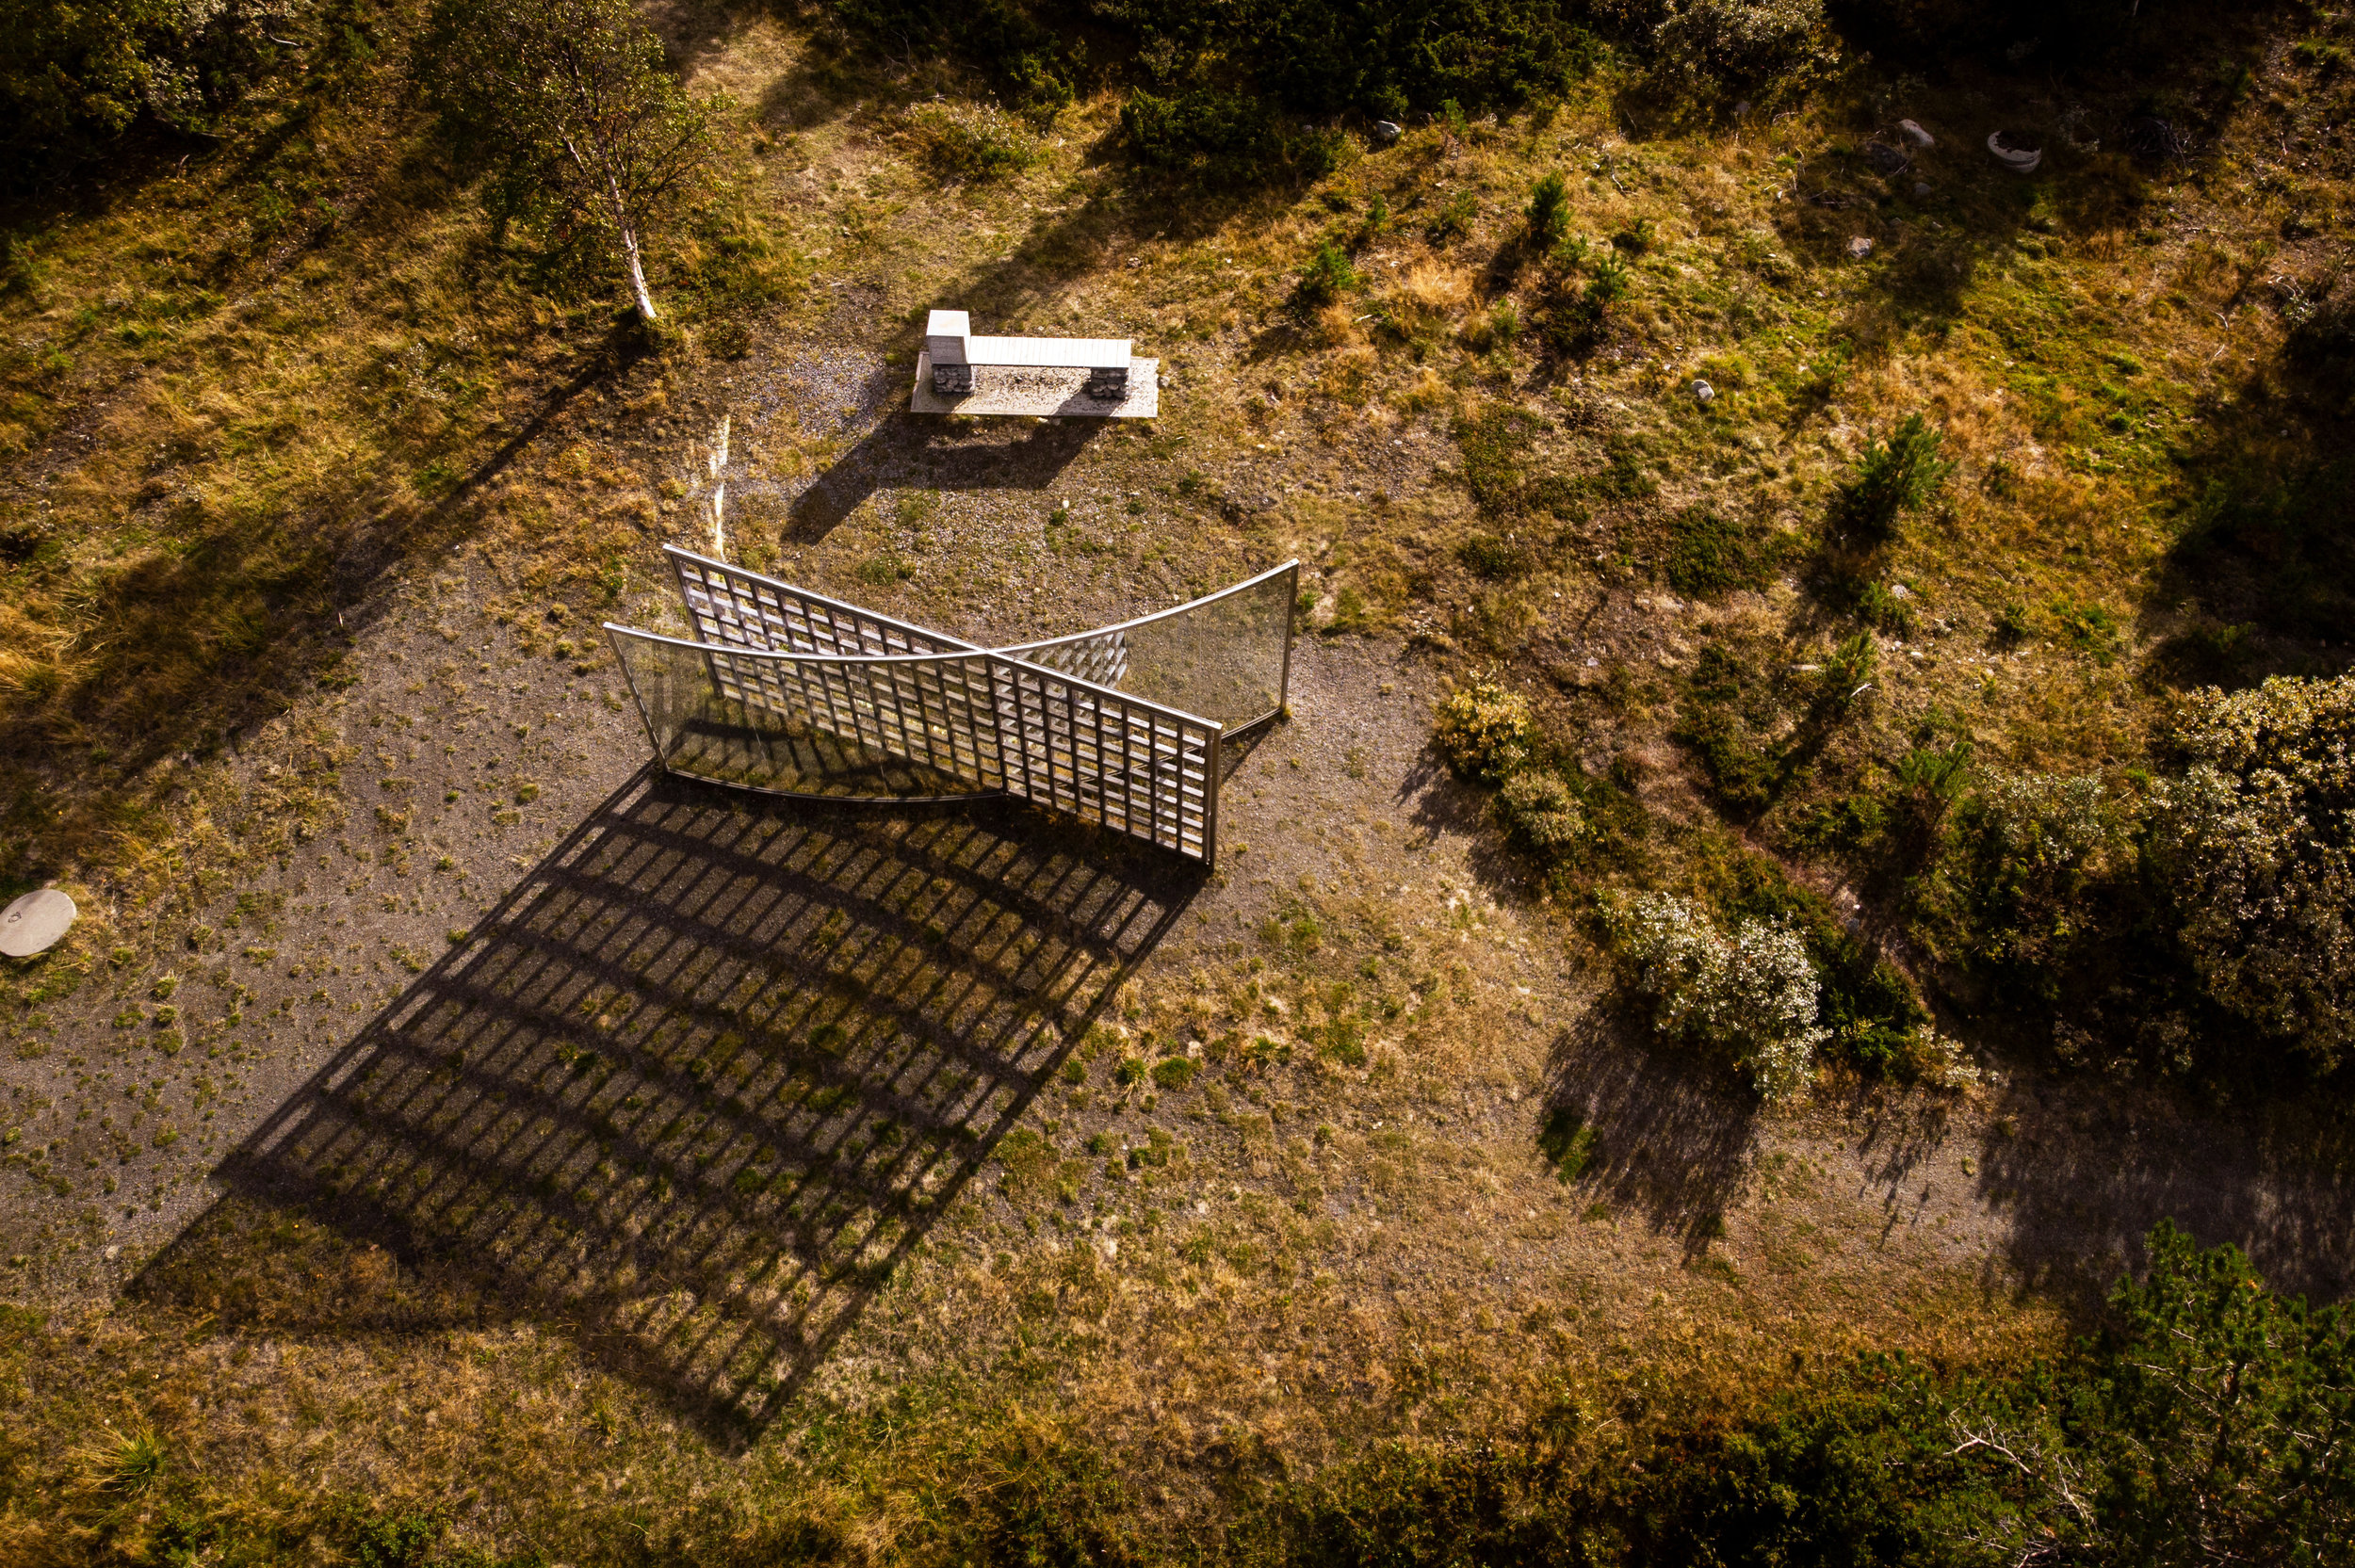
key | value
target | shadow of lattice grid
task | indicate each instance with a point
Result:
(714, 1066)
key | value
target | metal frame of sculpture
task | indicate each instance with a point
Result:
(787, 692)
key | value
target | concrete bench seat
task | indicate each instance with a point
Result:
(953, 353)
(1073, 353)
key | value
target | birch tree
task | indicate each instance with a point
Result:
(571, 102)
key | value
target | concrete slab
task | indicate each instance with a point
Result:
(1044, 390)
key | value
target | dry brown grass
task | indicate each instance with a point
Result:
(1342, 1250)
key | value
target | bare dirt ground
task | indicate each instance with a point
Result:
(770, 1101)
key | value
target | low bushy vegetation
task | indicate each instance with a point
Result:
(1484, 732)
(2202, 1423)
(1736, 43)
(972, 142)
(2205, 1419)
(2255, 845)
(2207, 904)
(1710, 555)
(1325, 279)
(75, 79)
(1894, 476)
(1249, 95)
(2210, 903)
(1747, 995)
(1221, 136)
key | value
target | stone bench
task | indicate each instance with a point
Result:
(953, 353)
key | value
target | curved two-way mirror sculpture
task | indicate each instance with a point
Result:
(789, 693)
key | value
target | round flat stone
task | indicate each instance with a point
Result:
(34, 923)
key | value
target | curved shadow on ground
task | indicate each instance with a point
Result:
(1671, 1136)
(695, 1087)
(934, 453)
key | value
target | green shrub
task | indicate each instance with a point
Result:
(1497, 444)
(1724, 714)
(1028, 1495)
(74, 77)
(1575, 323)
(1709, 555)
(1493, 556)
(1226, 136)
(1879, 604)
(2091, 629)
(1847, 672)
(1737, 42)
(1540, 811)
(1929, 779)
(1325, 279)
(972, 142)
(1484, 732)
(2035, 879)
(1037, 66)
(1453, 219)
(1567, 1142)
(395, 1541)
(2204, 1424)
(1606, 281)
(1894, 476)
(1874, 1018)
(1548, 213)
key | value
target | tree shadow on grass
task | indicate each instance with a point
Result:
(693, 1089)
(1671, 1135)
(2082, 1172)
(2260, 578)
(195, 647)
(1956, 233)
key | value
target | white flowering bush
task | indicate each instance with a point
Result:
(2255, 844)
(1751, 996)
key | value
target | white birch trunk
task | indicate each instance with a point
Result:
(637, 273)
(619, 210)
